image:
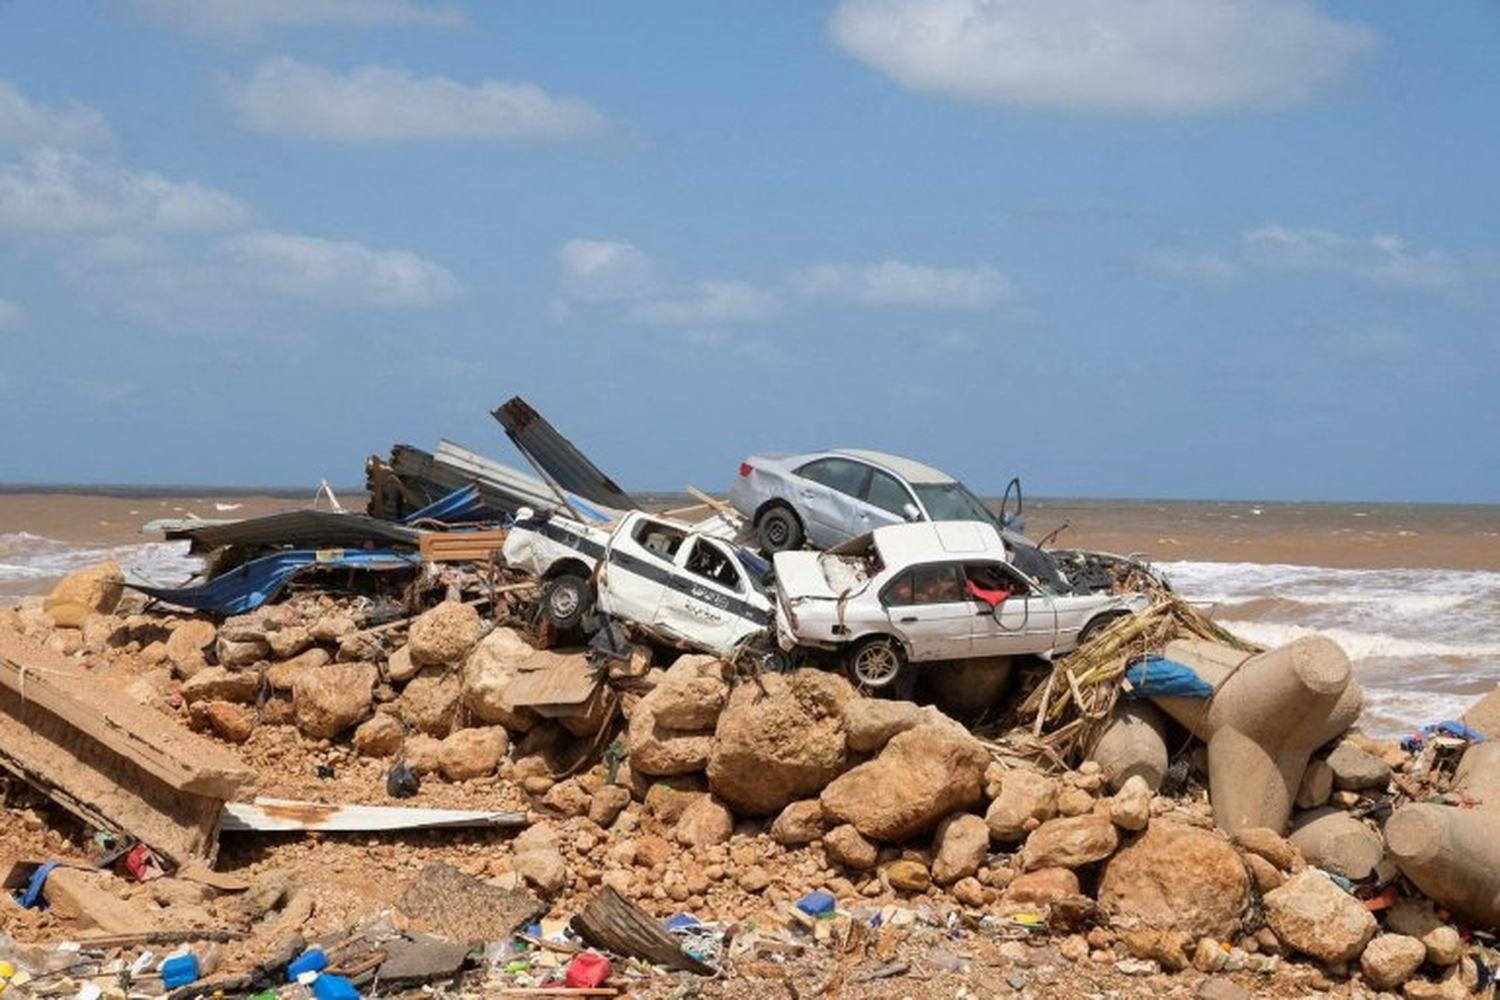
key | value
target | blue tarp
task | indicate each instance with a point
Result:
(251, 584)
(463, 505)
(1155, 676)
(1448, 727)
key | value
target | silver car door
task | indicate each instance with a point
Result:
(927, 607)
(828, 491)
(885, 501)
(1010, 617)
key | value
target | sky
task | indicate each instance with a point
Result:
(1196, 249)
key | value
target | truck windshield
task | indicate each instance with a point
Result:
(952, 502)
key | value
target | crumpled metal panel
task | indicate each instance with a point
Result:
(303, 529)
(558, 458)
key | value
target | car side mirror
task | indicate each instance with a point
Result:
(910, 512)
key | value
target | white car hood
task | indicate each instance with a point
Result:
(800, 574)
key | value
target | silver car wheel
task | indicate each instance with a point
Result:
(875, 664)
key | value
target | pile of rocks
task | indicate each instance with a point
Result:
(735, 796)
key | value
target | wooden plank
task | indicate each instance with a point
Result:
(268, 815)
(553, 679)
(102, 788)
(461, 546)
(130, 730)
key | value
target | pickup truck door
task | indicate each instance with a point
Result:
(636, 566)
(1024, 622)
(928, 608)
(705, 601)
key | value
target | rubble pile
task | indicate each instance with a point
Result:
(746, 827)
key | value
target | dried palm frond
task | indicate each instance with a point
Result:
(1073, 703)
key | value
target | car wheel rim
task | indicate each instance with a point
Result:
(876, 666)
(564, 602)
(776, 530)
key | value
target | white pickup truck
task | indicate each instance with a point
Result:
(672, 582)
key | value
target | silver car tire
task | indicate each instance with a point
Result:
(877, 666)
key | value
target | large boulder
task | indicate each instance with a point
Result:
(186, 644)
(661, 752)
(95, 590)
(443, 635)
(218, 684)
(1484, 715)
(779, 741)
(848, 847)
(379, 736)
(869, 723)
(959, 848)
(473, 753)
(799, 823)
(430, 702)
(332, 698)
(1177, 878)
(1071, 842)
(1391, 959)
(1026, 800)
(704, 823)
(921, 776)
(488, 673)
(691, 695)
(283, 676)
(1312, 915)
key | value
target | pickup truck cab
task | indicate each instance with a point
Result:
(668, 580)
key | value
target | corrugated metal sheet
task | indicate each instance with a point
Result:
(303, 529)
(558, 458)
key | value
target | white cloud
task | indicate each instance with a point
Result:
(894, 282)
(708, 303)
(11, 315)
(1191, 266)
(604, 274)
(1380, 259)
(246, 17)
(377, 104)
(338, 272)
(29, 125)
(603, 271)
(52, 192)
(1156, 56)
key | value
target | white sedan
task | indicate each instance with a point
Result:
(915, 593)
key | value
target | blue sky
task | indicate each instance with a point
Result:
(1134, 248)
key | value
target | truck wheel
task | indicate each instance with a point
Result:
(779, 530)
(564, 600)
(878, 667)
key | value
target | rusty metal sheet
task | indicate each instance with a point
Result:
(557, 458)
(271, 815)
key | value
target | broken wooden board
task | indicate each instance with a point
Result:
(267, 815)
(460, 546)
(117, 765)
(554, 684)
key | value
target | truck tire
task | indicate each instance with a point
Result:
(565, 600)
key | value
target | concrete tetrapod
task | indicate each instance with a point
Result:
(1268, 713)
(1134, 742)
(1453, 855)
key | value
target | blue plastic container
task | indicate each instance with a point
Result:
(330, 987)
(179, 971)
(311, 960)
(817, 904)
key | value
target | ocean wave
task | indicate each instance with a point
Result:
(28, 557)
(1363, 645)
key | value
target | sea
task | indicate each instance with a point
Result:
(1410, 592)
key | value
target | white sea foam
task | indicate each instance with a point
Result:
(1422, 641)
(27, 557)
